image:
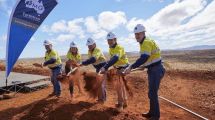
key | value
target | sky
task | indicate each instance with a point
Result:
(172, 24)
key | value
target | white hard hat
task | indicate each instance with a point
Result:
(90, 41)
(72, 44)
(139, 28)
(111, 35)
(46, 42)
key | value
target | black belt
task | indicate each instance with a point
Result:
(153, 64)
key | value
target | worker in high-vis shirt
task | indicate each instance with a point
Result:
(74, 55)
(118, 60)
(98, 60)
(53, 62)
(151, 58)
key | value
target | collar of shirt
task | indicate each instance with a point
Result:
(143, 39)
(91, 51)
(113, 46)
(49, 51)
(74, 53)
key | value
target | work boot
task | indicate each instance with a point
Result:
(100, 102)
(154, 118)
(125, 105)
(52, 94)
(58, 96)
(119, 107)
(146, 115)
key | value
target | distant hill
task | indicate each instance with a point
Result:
(200, 47)
(192, 49)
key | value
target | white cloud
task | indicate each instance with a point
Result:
(97, 28)
(182, 23)
(94, 28)
(62, 26)
(6, 6)
(174, 14)
(65, 37)
(206, 17)
(172, 17)
(110, 20)
(100, 35)
(65, 30)
(133, 22)
(59, 26)
(3, 37)
(92, 25)
(74, 27)
(9, 12)
(128, 42)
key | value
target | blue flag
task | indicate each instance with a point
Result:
(25, 19)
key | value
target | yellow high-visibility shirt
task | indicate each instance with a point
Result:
(97, 53)
(149, 47)
(76, 58)
(120, 52)
(53, 54)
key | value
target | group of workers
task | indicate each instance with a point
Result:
(150, 58)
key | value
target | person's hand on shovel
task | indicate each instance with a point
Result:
(127, 70)
(38, 65)
(102, 70)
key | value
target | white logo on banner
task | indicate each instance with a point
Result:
(36, 5)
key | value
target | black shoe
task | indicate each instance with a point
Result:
(125, 105)
(57, 96)
(52, 94)
(146, 115)
(119, 107)
(100, 101)
(154, 118)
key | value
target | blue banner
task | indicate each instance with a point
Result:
(25, 19)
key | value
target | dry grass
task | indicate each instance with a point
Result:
(195, 66)
(190, 60)
(186, 60)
